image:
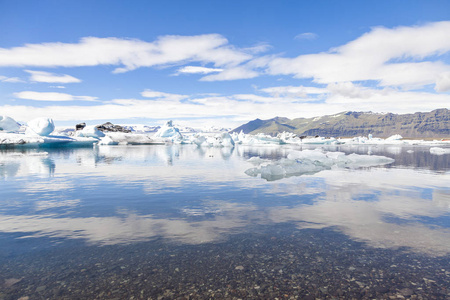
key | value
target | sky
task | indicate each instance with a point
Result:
(222, 63)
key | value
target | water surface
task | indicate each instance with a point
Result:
(178, 221)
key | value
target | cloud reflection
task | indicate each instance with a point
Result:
(384, 208)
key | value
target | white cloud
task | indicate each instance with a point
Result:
(349, 90)
(306, 36)
(41, 76)
(51, 96)
(198, 70)
(443, 82)
(128, 54)
(394, 57)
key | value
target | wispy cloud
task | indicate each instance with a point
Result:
(41, 76)
(306, 36)
(162, 96)
(51, 96)
(10, 79)
(197, 70)
(240, 72)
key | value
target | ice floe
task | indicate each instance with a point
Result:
(313, 161)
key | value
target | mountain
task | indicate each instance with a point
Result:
(434, 124)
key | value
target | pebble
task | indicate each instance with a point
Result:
(406, 292)
(240, 268)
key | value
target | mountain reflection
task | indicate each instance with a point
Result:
(121, 195)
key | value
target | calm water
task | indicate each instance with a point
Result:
(177, 222)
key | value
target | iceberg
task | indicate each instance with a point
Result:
(40, 126)
(169, 133)
(8, 124)
(312, 161)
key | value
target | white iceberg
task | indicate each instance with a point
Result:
(40, 126)
(313, 161)
(7, 124)
(169, 132)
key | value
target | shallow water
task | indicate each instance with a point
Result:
(165, 222)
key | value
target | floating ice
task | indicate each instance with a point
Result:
(258, 139)
(8, 124)
(256, 160)
(40, 126)
(395, 137)
(107, 140)
(313, 161)
(122, 138)
(89, 131)
(439, 151)
(25, 140)
(169, 132)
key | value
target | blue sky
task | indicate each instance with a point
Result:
(220, 62)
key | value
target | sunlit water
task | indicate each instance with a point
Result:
(177, 222)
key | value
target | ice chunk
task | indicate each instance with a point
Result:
(90, 131)
(272, 170)
(256, 160)
(8, 124)
(313, 161)
(253, 172)
(132, 139)
(226, 139)
(320, 141)
(357, 161)
(394, 137)
(439, 151)
(40, 126)
(169, 132)
(198, 139)
(107, 140)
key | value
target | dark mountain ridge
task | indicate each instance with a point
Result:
(434, 124)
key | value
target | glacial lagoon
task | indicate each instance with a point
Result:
(182, 222)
